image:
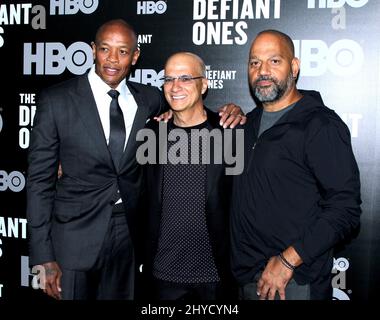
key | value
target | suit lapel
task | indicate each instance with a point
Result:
(138, 123)
(89, 115)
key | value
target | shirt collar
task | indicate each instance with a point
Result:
(100, 85)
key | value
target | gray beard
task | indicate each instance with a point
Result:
(275, 91)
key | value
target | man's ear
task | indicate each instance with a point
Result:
(93, 47)
(204, 85)
(136, 55)
(295, 67)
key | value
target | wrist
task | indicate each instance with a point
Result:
(285, 262)
(292, 256)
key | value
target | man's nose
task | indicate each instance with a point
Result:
(113, 56)
(264, 69)
(176, 84)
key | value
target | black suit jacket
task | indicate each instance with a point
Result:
(68, 218)
(219, 188)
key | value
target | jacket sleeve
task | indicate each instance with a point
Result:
(160, 104)
(329, 156)
(43, 159)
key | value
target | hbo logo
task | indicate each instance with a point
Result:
(343, 58)
(336, 3)
(66, 7)
(341, 264)
(148, 76)
(151, 7)
(53, 58)
(15, 181)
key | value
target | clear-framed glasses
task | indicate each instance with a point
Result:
(184, 79)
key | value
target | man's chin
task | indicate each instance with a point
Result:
(265, 96)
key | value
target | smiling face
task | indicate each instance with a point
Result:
(272, 68)
(184, 96)
(114, 51)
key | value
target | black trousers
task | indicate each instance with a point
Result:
(166, 290)
(112, 276)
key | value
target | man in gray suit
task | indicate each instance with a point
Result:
(82, 229)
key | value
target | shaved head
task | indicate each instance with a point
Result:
(284, 37)
(119, 23)
(199, 63)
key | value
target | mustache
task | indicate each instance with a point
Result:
(264, 78)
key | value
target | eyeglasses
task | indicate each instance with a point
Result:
(184, 79)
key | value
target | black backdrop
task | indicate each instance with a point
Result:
(44, 42)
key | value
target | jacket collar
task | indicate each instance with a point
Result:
(142, 113)
(86, 106)
(311, 100)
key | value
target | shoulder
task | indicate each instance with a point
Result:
(322, 116)
(143, 88)
(149, 96)
(323, 119)
(313, 111)
(64, 87)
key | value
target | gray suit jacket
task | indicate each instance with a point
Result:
(68, 218)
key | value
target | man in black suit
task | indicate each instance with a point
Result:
(187, 197)
(82, 225)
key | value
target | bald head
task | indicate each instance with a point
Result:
(282, 37)
(195, 61)
(120, 24)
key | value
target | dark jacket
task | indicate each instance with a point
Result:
(217, 210)
(300, 188)
(68, 218)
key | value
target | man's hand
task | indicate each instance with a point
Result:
(274, 278)
(231, 115)
(164, 116)
(51, 281)
(60, 172)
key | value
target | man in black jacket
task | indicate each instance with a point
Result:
(187, 196)
(300, 192)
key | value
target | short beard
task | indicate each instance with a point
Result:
(274, 92)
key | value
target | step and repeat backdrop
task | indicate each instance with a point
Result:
(44, 42)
